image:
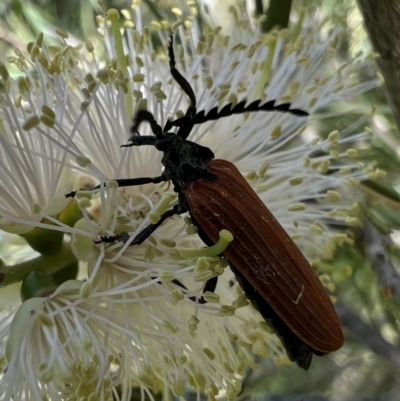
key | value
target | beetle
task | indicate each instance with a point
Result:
(270, 268)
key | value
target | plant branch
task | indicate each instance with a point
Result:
(382, 21)
(376, 250)
(368, 335)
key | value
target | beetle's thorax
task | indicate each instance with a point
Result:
(184, 161)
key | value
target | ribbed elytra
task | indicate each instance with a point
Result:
(265, 254)
(271, 270)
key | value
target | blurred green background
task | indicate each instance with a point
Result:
(368, 366)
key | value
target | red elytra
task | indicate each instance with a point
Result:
(265, 254)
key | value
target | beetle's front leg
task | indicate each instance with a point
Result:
(126, 182)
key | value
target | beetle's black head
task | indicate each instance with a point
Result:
(184, 161)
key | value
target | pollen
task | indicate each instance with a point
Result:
(312, 102)
(264, 168)
(226, 310)
(203, 276)
(202, 264)
(211, 297)
(209, 82)
(377, 174)
(301, 129)
(61, 33)
(31, 123)
(297, 207)
(353, 221)
(181, 360)
(177, 296)
(305, 61)
(47, 121)
(353, 181)
(351, 153)
(36, 209)
(193, 323)
(209, 353)
(251, 175)
(334, 154)
(324, 167)
(276, 132)
(45, 319)
(296, 181)
(169, 327)
(333, 196)
(345, 171)
(316, 228)
(262, 188)
(178, 388)
(176, 25)
(191, 230)
(311, 89)
(316, 165)
(166, 276)
(83, 161)
(240, 302)
(177, 11)
(168, 243)
(233, 100)
(223, 93)
(294, 88)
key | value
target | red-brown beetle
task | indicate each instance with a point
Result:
(270, 268)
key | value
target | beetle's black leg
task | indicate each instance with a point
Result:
(146, 232)
(144, 115)
(210, 286)
(179, 122)
(127, 182)
(138, 140)
(143, 235)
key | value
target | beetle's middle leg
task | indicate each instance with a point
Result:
(146, 232)
(210, 285)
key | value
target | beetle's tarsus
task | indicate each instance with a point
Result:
(123, 237)
(71, 194)
(126, 182)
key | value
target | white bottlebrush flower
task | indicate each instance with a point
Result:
(33, 175)
(135, 320)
